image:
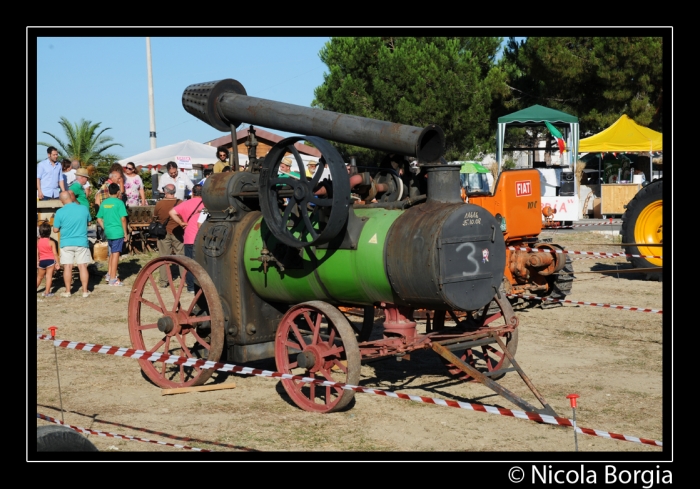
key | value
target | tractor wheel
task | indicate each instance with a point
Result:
(642, 224)
(62, 439)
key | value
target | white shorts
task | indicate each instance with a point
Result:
(75, 254)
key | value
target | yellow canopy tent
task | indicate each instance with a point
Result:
(623, 135)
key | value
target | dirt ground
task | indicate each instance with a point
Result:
(611, 358)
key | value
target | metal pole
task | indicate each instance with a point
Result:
(151, 107)
(234, 149)
(53, 329)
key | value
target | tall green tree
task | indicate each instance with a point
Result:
(82, 141)
(415, 81)
(595, 78)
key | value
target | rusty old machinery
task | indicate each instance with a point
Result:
(277, 256)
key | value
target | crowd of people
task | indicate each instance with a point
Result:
(180, 211)
(68, 182)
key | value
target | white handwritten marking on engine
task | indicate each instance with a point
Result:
(470, 256)
(470, 218)
(373, 239)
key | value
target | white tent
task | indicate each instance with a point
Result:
(187, 154)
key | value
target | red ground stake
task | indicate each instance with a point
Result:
(53, 330)
(572, 400)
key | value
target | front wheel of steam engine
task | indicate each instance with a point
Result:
(314, 339)
(483, 354)
(171, 321)
(296, 216)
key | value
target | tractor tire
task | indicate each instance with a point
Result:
(642, 222)
(561, 287)
(62, 439)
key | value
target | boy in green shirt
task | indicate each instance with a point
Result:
(112, 218)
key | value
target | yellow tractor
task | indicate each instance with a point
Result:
(642, 229)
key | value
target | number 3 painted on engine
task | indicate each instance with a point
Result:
(470, 257)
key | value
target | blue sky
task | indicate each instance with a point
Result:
(105, 79)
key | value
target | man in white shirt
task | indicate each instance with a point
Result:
(70, 174)
(180, 180)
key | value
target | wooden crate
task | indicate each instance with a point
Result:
(614, 197)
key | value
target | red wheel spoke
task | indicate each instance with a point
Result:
(298, 335)
(147, 326)
(165, 341)
(340, 365)
(199, 339)
(150, 304)
(309, 322)
(194, 301)
(316, 329)
(155, 288)
(181, 340)
(333, 351)
(290, 344)
(178, 293)
(195, 319)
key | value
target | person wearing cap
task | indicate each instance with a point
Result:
(286, 168)
(81, 177)
(311, 168)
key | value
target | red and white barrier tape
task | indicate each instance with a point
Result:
(607, 306)
(583, 225)
(594, 253)
(115, 435)
(226, 367)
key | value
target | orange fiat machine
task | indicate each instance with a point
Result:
(516, 204)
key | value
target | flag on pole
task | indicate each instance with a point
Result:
(557, 135)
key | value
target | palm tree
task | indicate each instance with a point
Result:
(83, 141)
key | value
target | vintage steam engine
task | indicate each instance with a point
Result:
(278, 255)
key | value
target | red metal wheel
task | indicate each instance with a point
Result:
(172, 321)
(485, 357)
(314, 339)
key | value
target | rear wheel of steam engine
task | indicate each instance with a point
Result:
(483, 353)
(293, 213)
(314, 339)
(171, 321)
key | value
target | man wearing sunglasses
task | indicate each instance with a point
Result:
(222, 155)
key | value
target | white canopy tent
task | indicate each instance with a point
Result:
(185, 154)
(189, 155)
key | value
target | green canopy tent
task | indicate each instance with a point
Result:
(535, 116)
